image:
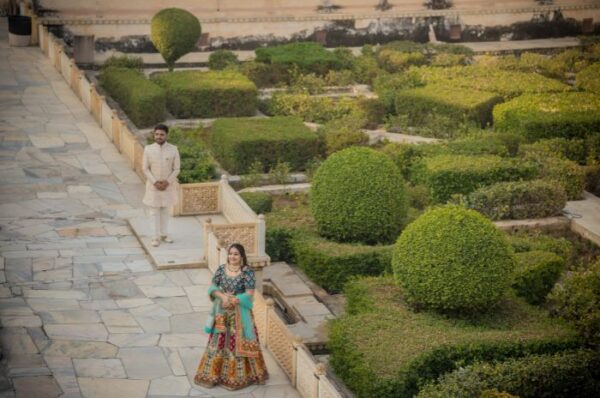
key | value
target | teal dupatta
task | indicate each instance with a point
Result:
(244, 308)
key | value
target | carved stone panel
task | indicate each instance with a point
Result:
(197, 199)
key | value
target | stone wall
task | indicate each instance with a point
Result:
(244, 25)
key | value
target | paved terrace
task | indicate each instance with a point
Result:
(83, 312)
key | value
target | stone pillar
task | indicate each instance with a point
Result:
(83, 49)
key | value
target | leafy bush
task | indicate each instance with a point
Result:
(537, 116)
(592, 179)
(536, 274)
(365, 69)
(395, 61)
(174, 32)
(260, 202)
(307, 84)
(484, 144)
(451, 174)
(518, 200)
(522, 243)
(574, 149)
(493, 393)
(507, 84)
(460, 104)
(382, 349)
(358, 195)
(311, 109)
(123, 61)
(340, 78)
(196, 163)
(237, 142)
(284, 223)
(445, 59)
(264, 75)
(343, 133)
(331, 264)
(577, 299)
(208, 94)
(143, 101)
(567, 174)
(453, 259)
(387, 85)
(589, 79)
(566, 374)
(309, 57)
(222, 59)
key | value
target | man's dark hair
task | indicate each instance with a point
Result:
(161, 127)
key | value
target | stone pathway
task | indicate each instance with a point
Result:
(83, 312)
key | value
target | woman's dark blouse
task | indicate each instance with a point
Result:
(245, 280)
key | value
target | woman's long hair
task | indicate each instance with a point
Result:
(242, 251)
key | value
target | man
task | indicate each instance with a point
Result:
(161, 167)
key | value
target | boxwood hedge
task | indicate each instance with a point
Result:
(382, 349)
(536, 273)
(589, 78)
(308, 57)
(208, 94)
(238, 142)
(143, 101)
(260, 202)
(461, 104)
(537, 116)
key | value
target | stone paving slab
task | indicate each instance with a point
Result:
(586, 217)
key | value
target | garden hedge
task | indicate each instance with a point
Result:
(196, 162)
(537, 116)
(260, 202)
(522, 242)
(142, 100)
(208, 94)
(317, 109)
(331, 264)
(380, 348)
(308, 57)
(565, 173)
(456, 103)
(515, 200)
(536, 273)
(507, 84)
(221, 59)
(238, 142)
(264, 75)
(453, 259)
(123, 61)
(358, 195)
(569, 374)
(457, 174)
(589, 78)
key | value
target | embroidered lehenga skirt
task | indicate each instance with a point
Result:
(229, 360)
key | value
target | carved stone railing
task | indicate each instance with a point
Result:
(242, 225)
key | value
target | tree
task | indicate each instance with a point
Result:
(174, 32)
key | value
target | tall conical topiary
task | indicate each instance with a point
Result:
(174, 32)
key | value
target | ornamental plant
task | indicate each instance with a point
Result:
(174, 32)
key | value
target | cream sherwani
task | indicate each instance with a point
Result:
(161, 162)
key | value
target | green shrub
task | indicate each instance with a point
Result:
(592, 179)
(372, 110)
(142, 100)
(589, 79)
(308, 57)
(507, 84)
(330, 264)
(453, 259)
(387, 85)
(340, 78)
(264, 75)
(451, 174)
(518, 200)
(569, 175)
(208, 94)
(380, 348)
(574, 149)
(567, 374)
(311, 109)
(460, 104)
(237, 142)
(174, 32)
(365, 69)
(282, 225)
(445, 59)
(358, 195)
(522, 243)
(577, 299)
(537, 116)
(483, 144)
(307, 84)
(343, 133)
(419, 196)
(222, 59)
(196, 163)
(260, 202)
(536, 273)
(394, 61)
(493, 393)
(123, 61)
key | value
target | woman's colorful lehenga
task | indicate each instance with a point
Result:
(233, 358)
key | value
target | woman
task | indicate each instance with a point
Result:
(232, 358)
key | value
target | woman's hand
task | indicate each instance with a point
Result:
(234, 300)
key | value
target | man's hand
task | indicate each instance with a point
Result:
(161, 185)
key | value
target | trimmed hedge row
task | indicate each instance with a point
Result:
(460, 104)
(208, 94)
(508, 84)
(308, 57)
(565, 173)
(522, 243)
(537, 116)
(518, 200)
(382, 349)
(143, 101)
(238, 142)
(196, 163)
(589, 78)
(260, 202)
(569, 374)
(451, 174)
(536, 274)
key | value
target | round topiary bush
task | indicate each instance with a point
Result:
(221, 59)
(174, 32)
(453, 259)
(358, 195)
